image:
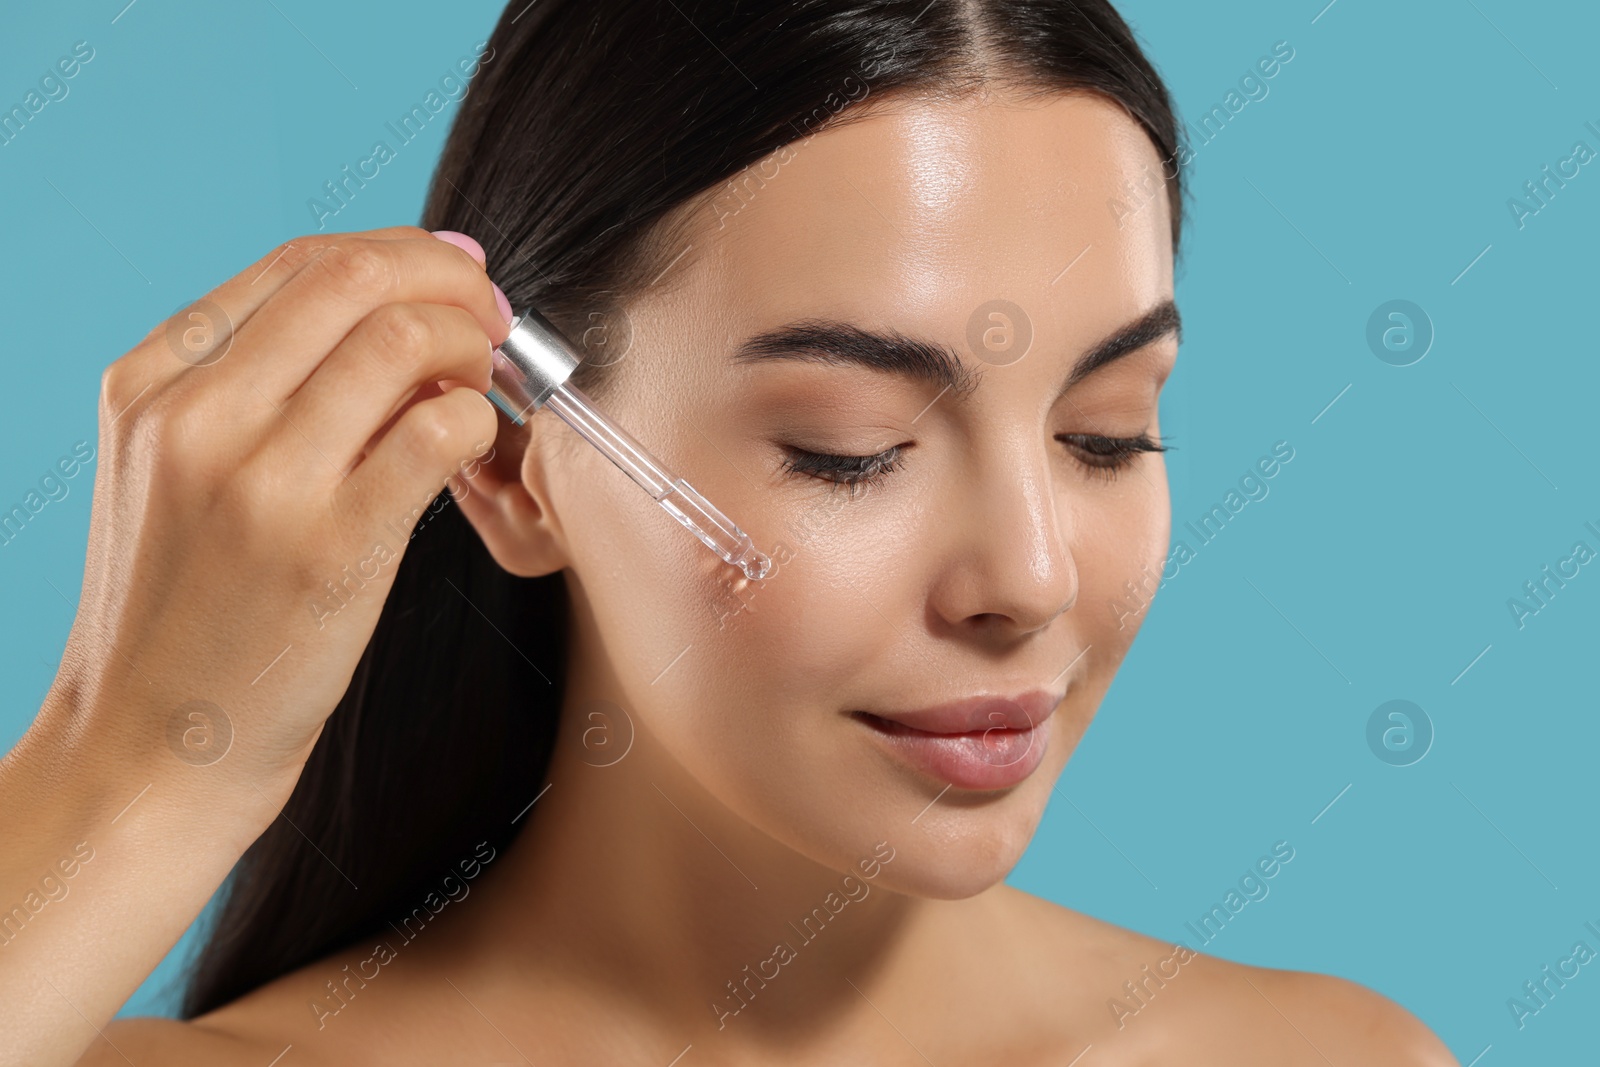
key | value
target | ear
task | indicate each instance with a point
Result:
(504, 495)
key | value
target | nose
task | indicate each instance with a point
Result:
(1010, 566)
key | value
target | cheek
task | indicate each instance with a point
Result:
(821, 621)
(717, 665)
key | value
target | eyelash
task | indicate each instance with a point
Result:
(851, 471)
(1110, 456)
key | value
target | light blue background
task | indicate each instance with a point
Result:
(1378, 167)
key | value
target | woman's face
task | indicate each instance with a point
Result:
(987, 553)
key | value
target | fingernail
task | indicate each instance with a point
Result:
(505, 305)
(465, 243)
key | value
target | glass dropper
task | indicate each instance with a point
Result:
(531, 370)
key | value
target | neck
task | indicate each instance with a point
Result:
(630, 878)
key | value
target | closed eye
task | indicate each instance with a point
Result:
(1106, 456)
(1098, 454)
(851, 471)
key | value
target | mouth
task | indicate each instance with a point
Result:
(978, 743)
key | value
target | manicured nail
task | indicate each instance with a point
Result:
(465, 243)
(505, 305)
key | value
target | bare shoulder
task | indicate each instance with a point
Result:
(375, 1001)
(1355, 1019)
(258, 1029)
(1141, 1000)
(171, 1042)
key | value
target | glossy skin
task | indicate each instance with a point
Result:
(984, 564)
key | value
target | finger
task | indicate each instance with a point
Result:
(372, 374)
(201, 332)
(411, 461)
(244, 294)
(284, 342)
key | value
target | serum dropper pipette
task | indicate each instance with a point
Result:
(530, 371)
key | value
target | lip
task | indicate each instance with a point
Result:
(980, 742)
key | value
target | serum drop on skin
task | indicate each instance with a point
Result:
(531, 370)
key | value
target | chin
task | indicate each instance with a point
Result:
(927, 868)
(961, 851)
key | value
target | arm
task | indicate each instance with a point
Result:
(250, 449)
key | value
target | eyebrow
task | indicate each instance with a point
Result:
(822, 340)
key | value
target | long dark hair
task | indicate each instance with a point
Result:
(593, 130)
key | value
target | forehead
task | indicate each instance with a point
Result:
(917, 214)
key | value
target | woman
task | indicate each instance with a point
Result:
(535, 778)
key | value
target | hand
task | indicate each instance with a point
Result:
(252, 448)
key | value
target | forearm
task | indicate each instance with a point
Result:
(109, 853)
